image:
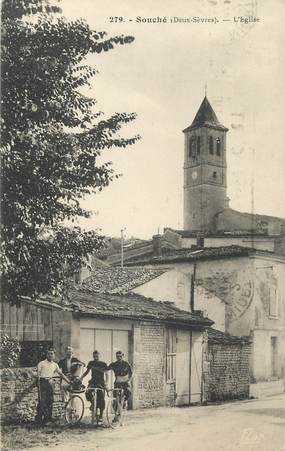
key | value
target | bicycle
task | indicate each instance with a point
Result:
(95, 416)
(116, 408)
(74, 408)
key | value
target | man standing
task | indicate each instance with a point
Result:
(46, 370)
(98, 369)
(123, 374)
(70, 366)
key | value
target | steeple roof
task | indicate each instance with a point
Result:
(206, 117)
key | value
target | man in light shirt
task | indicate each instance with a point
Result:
(47, 369)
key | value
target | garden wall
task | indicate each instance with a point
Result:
(19, 395)
(226, 367)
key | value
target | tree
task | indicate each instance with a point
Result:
(52, 136)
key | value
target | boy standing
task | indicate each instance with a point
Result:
(46, 371)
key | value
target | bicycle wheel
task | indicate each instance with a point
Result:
(114, 413)
(74, 410)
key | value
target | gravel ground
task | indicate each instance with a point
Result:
(242, 425)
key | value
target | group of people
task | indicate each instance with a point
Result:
(69, 370)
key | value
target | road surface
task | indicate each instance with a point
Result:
(252, 425)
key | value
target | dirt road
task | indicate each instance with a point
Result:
(255, 425)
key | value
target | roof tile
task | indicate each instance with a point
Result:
(134, 306)
(112, 280)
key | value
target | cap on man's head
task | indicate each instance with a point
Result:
(119, 353)
(96, 352)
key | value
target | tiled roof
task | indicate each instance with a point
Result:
(138, 252)
(109, 279)
(215, 335)
(207, 253)
(133, 306)
(206, 117)
(219, 234)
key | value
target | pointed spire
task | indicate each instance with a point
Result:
(206, 117)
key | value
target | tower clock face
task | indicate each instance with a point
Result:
(194, 175)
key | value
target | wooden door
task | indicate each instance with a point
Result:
(196, 367)
(183, 368)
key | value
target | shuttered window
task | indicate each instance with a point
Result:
(171, 355)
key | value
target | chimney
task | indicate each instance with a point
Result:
(227, 202)
(156, 242)
(200, 239)
(84, 271)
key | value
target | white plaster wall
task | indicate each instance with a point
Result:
(235, 293)
(172, 286)
(212, 307)
(175, 286)
(262, 353)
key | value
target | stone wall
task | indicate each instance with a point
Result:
(19, 395)
(226, 368)
(149, 385)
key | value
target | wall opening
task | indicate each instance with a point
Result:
(274, 356)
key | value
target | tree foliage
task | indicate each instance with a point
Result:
(52, 136)
(10, 351)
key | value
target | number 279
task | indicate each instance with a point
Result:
(115, 19)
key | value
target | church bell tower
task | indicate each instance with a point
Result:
(205, 170)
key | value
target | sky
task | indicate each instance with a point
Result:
(161, 76)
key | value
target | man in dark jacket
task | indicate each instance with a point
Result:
(70, 367)
(123, 374)
(98, 370)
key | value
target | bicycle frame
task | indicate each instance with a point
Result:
(120, 394)
(94, 391)
(116, 406)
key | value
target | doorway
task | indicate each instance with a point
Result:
(188, 367)
(106, 341)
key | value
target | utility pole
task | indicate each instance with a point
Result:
(192, 293)
(253, 219)
(122, 246)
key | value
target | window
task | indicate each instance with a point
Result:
(198, 145)
(211, 145)
(273, 305)
(181, 291)
(214, 175)
(170, 355)
(218, 146)
(192, 145)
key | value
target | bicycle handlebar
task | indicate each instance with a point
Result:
(114, 390)
(94, 389)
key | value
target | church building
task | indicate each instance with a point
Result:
(205, 170)
(208, 219)
(206, 205)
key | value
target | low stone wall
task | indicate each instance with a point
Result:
(19, 395)
(226, 373)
